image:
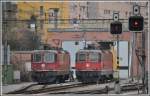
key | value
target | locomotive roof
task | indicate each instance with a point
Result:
(89, 51)
(101, 51)
(55, 51)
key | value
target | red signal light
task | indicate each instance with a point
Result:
(136, 23)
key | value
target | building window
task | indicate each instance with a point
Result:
(41, 10)
(83, 12)
(53, 14)
(126, 13)
(41, 24)
(106, 11)
(74, 7)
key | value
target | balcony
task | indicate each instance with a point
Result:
(84, 25)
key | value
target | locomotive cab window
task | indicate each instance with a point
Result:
(82, 57)
(37, 57)
(94, 56)
(49, 57)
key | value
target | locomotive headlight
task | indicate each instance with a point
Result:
(87, 65)
(43, 65)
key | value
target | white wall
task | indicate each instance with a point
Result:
(72, 49)
(123, 55)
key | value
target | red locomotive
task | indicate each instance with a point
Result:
(94, 65)
(49, 66)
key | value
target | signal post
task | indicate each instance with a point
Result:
(136, 25)
(116, 29)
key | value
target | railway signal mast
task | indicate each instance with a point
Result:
(116, 29)
(136, 25)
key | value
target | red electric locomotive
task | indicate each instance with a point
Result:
(94, 65)
(50, 66)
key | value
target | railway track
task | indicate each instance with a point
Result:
(131, 87)
(23, 89)
(104, 90)
(61, 89)
(47, 89)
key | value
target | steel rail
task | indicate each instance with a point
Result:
(46, 89)
(105, 90)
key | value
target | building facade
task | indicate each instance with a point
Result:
(48, 16)
(62, 21)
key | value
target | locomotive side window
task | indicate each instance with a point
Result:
(94, 56)
(82, 57)
(37, 57)
(49, 57)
